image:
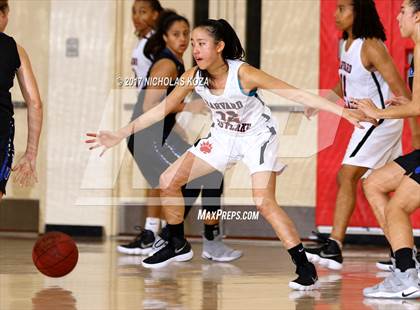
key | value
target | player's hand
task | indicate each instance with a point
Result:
(355, 117)
(397, 101)
(367, 107)
(105, 139)
(24, 172)
(309, 112)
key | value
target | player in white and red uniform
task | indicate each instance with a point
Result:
(243, 130)
(156, 148)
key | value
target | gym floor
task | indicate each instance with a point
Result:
(104, 279)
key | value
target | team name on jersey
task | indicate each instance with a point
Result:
(345, 66)
(237, 127)
(225, 105)
(230, 120)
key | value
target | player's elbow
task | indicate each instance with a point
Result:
(295, 95)
(34, 104)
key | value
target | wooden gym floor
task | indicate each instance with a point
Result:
(103, 279)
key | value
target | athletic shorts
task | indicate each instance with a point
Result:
(258, 151)
(373, 147)
(7, 151)
(411, 164)
(153, 159)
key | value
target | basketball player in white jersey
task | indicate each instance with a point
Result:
(243, 130)
(148, 14)
(145, 14)
(366, 71)
(401, 176)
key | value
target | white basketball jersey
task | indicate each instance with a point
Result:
(356, 81)
(139, 62)
(371, 147)
(235, 112)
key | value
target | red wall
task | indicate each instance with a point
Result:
(329, 160)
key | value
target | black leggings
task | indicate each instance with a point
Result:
(153, 159)
(210, 197)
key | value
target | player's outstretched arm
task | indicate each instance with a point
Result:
(108, 139)
(252, 78)
(401, 107)
(332, 96)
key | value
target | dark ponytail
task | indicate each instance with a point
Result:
(156, 44)
(221, 30)
(415, 4)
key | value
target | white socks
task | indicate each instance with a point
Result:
(152, 223)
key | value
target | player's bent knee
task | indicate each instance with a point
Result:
(264, 204)
(372, 185)
(166, 182)
(369, 186)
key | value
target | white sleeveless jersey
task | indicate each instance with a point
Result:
(140, 63)
(235, 112)
(371, 147)
(356, 81)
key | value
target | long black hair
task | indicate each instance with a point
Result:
(221, 30)
(367, 23)
(415, 4)
(156, 44)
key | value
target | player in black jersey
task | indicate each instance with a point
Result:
(15, 61)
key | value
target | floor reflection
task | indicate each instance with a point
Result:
(103, 279)
(54, 298)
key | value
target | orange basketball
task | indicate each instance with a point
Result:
(55, 254)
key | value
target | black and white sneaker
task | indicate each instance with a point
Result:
(327, 255)
(306, 280)
(161, 241)
(176, 250)
(141, 245)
